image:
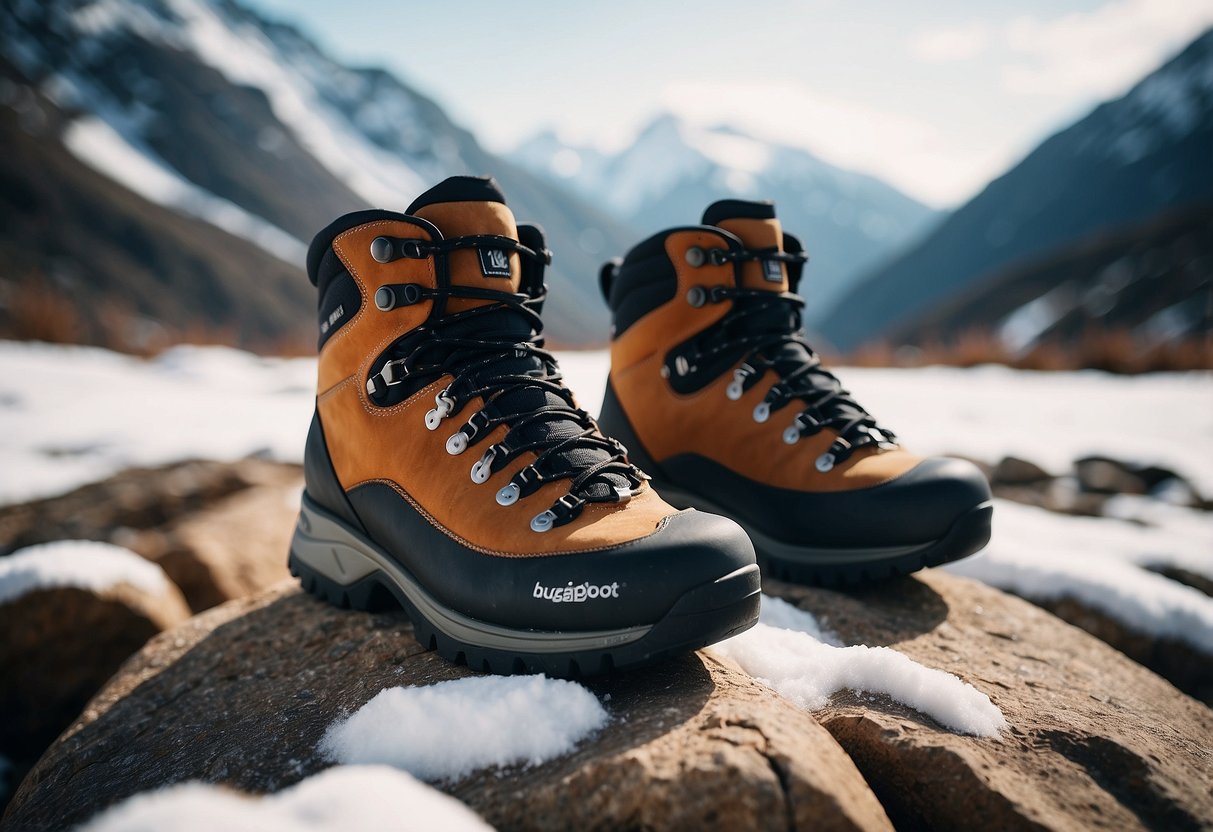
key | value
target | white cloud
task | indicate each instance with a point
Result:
(948, 44)
(1098, 53)
(933, 162)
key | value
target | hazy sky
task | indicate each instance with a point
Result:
(935, 97)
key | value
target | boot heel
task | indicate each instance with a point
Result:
(329, 567)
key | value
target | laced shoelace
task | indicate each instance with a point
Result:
(495, 352)
(764, 328)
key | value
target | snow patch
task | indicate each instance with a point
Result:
(96, 143)
(448, 730)
(798, 666)
(1102, 562)
(336, 800)
(85, 564)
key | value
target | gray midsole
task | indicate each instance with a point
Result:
(770, 547)
(343, 557)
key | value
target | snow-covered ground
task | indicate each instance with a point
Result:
(336, 800)
(71, 415)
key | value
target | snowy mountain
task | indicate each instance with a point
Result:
(205, 109)
(1129, 160)
(673, 169)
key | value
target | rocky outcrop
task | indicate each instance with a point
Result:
(59, 647)
(234, 548)
(241, 695)
(218, 530)
(1095, 741)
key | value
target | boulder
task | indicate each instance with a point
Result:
(241, 696)
(60, 645)
(138, 498)
(1095, 741)
(1104, 475)
(236, 547)
(1011, 470)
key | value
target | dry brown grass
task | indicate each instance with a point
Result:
(1114, 351)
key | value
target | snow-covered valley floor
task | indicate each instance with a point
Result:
(72, 415)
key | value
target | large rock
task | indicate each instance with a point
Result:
(1095, 741)
(218, 530)
(241, 695)
(138, 498)
(234, 548)
(60, 645)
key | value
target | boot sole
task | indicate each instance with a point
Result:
(341, 566)
(840, 566)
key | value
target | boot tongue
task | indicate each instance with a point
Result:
(473, 205)
(463, 206)
(755, 224)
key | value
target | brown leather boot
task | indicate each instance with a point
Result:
(719, 398)
(449, 468)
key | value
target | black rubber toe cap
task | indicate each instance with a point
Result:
(920, 506)
(632, 584)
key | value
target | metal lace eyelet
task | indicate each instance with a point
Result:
(696, 296)
(457, 444)
(381, 249)
(695, 257)
(508, 495)
(543, 521)
(483, 467)
(443, 405)
(734, 390)
(762, 412)
(681, 365)
(791, 435)
(385, 299)
(825, 463)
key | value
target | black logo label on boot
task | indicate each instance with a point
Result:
(772, 270)
(494, 262)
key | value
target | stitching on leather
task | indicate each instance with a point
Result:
(661, 524)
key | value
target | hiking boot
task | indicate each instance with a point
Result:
(720, 400)
(448, 467)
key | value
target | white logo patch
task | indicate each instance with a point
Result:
(575, 594)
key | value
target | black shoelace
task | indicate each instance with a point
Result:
(763, 328)
(495, 351)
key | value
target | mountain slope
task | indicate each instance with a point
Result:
(1128, 160)
(211, 111)
(672, 170)
(91, 261)
(1152, 279)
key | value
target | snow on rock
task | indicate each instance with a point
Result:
(1101, 562)
(450, 729)
(790, 658)
(341, 798)
(777, 612)
(86, 564)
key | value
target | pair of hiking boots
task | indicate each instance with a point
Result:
(448, 468)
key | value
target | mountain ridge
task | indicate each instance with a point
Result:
(672, 169)
(1125, 161)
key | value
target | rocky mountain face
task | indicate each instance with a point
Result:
(203, 112)
(672, 170)
(1153, 280)
(1129, 161)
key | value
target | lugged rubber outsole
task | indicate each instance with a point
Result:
(340, 566)
(843, 567)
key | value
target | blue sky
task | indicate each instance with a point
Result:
(935, 97)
